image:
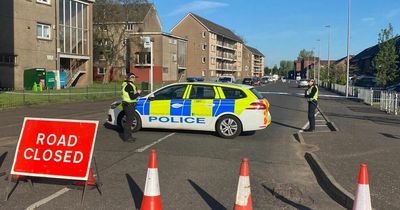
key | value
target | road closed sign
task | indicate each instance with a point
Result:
(55, 148)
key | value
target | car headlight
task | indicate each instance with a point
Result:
(115, 105)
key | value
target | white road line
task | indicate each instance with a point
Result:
(142, 149)
(45, 200)
(64, 190)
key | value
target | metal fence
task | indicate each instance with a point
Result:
(390, 102)
(387, 101)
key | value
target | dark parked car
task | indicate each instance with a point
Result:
(195, 79)
(394, 88)
(247, 81)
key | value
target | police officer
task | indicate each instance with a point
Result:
(312, 97)
(129, 95)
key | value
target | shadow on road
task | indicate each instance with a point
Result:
(374, 119)
(286, 200)
(136, 192)
(212, 203)
(286, 125)
(385, 135)
(2, 158)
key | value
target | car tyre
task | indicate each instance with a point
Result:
(137, 122)
(228, 126)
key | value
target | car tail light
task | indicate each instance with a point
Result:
(258, 105)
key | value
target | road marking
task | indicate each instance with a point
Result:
(8, 140)
(65, 189)
(45, 200)
(142, 149)
(302, 94)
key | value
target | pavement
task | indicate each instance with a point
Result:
(366, 135)
(197, 170)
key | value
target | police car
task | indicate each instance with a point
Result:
(228, 109)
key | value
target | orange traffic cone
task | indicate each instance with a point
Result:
(16, 178)
(152, 198)
(363, 198)
(243, 195)
(90, 182)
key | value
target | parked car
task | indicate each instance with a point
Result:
(394, 88)
(256, 81)
(365, 81)
(265, 80)
(227, 79)
(303, 83)
(195, 79)
(247, 81)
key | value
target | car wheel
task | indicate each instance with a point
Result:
(136, 124)
(228, 126)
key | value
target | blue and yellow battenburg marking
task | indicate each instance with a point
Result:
(196, 108)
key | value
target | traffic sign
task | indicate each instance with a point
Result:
(55, 148)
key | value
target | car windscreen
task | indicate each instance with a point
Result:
(258, 94)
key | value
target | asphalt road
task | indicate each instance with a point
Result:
(197, 170)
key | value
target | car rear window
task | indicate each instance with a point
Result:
(258, 94)
(232, 93)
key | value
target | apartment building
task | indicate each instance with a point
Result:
(142, 20)
(255, 61)
(213, 49)
(51, 34)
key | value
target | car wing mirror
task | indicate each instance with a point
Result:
(151, 98)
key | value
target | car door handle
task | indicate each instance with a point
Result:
(177, 106)
(209, 105)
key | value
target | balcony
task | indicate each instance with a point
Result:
(226, 56)
(226, 45)
(226, 67)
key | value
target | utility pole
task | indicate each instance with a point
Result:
(314, 63)
(319, 60)
(329, 50)
(348, 50)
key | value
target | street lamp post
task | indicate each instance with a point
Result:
(319, 60)
(314, 63)
(348, 49)
(329, 49)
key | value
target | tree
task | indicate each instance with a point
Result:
(304, 54)
(386, 61)
(285, 67)
(111, 42)
(267, 70)
(275, 69)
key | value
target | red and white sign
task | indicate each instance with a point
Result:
(55, 148)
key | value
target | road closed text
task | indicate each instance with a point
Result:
(65, 152)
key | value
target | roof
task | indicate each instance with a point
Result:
(218, 29)
(372, 51)
(343, 59)
(116, 12)
(254, 51)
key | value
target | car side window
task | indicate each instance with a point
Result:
(232, 93)
(169, 93)
(202, 92)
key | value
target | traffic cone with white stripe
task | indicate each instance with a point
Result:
(243, 195)
(363, 198)
(152, 198)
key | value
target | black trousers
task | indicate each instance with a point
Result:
(312, 106)
(129, 109)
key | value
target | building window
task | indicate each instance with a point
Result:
(212, 60)
(204, 34)
(74, 27)
(43, 31)
(172, 41)
(43, 1)
(204, 46)
(101, 71)
(203, 59)
(129, 27)
(165, 70)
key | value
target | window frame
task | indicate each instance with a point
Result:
(130, 27)
(99, 72)
(154, 95)
(203, 98)
(46, 2)
(234, 89)
(42, 30)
